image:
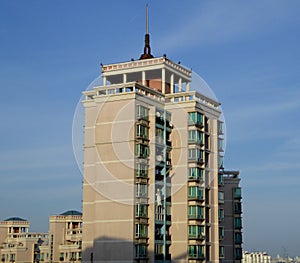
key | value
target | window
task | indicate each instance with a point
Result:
(195, 118)
(141, 230)
(141, 210)
(141, 170)
(221, 252)
(159, 249)
(195, 192)
(238, 238)
(220, 162)
(195, 136)
(141, 251)
(220, 179)
(159, 135)
(221, 214)
(238, 253)
(142, 131)
(220, 145)
(237, 193)
(61, 256)
(195, 212)
(221, 197)
(142, 190)
(142, 151)
(196, 252)
(159, 117)
(237, 222)
(142, 112)
(195, 173)
(196, 231)
(195, 155)
(221, 233)
(220, 127)
(73, 256)
(237, 207)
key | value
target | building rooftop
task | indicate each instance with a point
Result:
(71, 213)
(15, 219)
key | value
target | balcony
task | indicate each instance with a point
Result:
(237, 223)
(199, 160)
(141, 215)
(198, 236)
(196, 217)
(160, 120)
(195, 194)
(159, 177)
(237, 208)
(221, 197)
(197, 123)
(69, 247)
(220, 180)
(221, 214)
(143, 137)
(198, 256)
(237, 193)
(169, 143)
(142, 150)
(142, 113)
(238, 238)
(159, 216)
(141, 235)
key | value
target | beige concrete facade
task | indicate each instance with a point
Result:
(17, 244)
(151, 161)
(63, 243)
(65, 238)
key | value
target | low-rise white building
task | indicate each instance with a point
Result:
(256, 257)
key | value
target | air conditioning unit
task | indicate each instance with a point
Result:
(159, 158)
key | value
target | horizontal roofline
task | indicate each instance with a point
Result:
(145, 62)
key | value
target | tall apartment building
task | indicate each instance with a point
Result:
(152, 154)
(17, 244)
(230, 219)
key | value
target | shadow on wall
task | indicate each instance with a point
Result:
(118, 251)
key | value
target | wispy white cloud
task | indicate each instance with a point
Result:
(221, 22)
(269, 109)
(272, 119)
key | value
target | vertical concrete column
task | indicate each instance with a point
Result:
(187, 86)
(124, 78)
(104, 80)
(180, 85)
(172, 83)
(144, 78)
(163, 80)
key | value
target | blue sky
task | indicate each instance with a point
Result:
(247, 51)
